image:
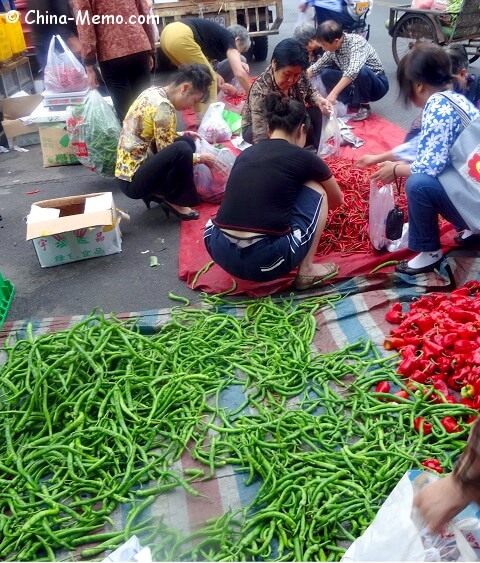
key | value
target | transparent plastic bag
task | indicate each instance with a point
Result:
(331, 136)
(380, 203)
(94, 132)
(211, 182)
(63, 71)
(213, 127)
(397, 534)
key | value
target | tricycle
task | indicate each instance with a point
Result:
(409, 26)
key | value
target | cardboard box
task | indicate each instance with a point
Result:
(57, 149)
(74, 228)
(14, 109)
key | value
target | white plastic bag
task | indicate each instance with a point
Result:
(213, 127)
(63, 71)
(395, 536)
(211, 182)
(331, 136)
(94, 131)
(380, 203)
(304, 18)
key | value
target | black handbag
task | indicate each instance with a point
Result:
(395, 219)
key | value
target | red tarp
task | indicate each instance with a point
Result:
(380, 135)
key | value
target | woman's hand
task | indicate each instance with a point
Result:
(208, 159)
(385, 172)
(193, 134)
(367, 160)
(91, 77)
(440, 501)
(325, 107)
(229, 89)
(246, 68)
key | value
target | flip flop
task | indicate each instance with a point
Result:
(307, 282)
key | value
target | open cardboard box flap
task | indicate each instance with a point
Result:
(74, 212)
(17, 107)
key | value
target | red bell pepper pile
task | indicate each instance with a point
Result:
(347, 229)
(439, 343)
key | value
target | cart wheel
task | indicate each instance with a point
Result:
(409, 30)
(260, 47)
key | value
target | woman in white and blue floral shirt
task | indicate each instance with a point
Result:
(423, 75)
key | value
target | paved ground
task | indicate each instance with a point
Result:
(122, 282)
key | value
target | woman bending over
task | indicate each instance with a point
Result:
(276, 204)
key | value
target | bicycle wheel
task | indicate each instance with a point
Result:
(410, 30)
(473, 49)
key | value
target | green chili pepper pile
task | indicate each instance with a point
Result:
(96, 416)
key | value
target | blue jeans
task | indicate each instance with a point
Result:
(367, 87)
(269, 257)
(427, 199)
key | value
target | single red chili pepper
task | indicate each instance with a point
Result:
(383, 387)
(433, 464)
(418, 376)
(450, 424)
(421, 426)
(440, 385)
(460, 315)
(465, 290)
(394, 317)
(431, 350)
(410, 351)
(444, 364)
(455, 383)
(402, 394)
(408, 366)
(471, 419)
(393, 343)
(460, 360)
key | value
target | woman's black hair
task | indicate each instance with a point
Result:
(197, 74)
(458, 57)
(290, 52)
(285, 113)
(425, 63)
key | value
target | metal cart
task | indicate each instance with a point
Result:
(409, 26)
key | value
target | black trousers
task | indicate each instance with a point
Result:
(168, 173)
(126, 77)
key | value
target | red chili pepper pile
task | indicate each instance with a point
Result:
(439, 343)
(347, 228)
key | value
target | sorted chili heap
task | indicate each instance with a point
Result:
(439, 342)
(347, 229)
(101, 417)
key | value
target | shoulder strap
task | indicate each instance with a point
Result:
(460, 111)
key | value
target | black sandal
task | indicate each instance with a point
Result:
(404, 268)
(468, 242)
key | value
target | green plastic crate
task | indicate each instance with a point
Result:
(7, 289)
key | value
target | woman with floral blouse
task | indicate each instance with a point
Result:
(425, 79)
(154, 163)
